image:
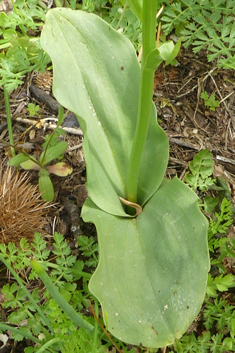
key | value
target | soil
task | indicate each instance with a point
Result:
(189, 124)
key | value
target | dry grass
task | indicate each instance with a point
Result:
(22, 211)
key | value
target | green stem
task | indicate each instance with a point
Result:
(145, 98)
(63, 304)
(48, 344)
(9, 125)
(4, 327)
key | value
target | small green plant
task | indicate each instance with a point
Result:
(219, 226)
(89, 249)
(220, 283)
(211, 101)
(218, 312)
(200, 177)
(222, 221)
(201, 169)
(53, 148)
(126, 153)
(204, 25)
(33, 109)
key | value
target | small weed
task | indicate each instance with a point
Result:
(89, 249)
(220, 283)
(222, 220)
(53, 148)
(33, 109)
(201, 169)
(211, 101)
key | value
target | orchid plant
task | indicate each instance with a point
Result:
(153, 253)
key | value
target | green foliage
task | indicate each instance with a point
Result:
(22, 309)
(204, 25)
(20, 51)
(124, 21)
(218, 312)
(210, 102)
(220, 283)
(80, 342)
(19, 258)
(220, 224)
(201, 169)
(218, 317)
(206, 343)
(89, 249)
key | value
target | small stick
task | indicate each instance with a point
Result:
(183, 143)
(70, 130)
(158, 34)
(70, 149)
(225, 160)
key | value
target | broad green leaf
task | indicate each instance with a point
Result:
(45, 186)
(152, 273)
(97, 76)
(53, 152)
(19, 158)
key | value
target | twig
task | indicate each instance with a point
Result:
(194, 87)
(51, 103)
(70, 149)
(225, 160)
(176, 161)
(70, 130)
(183, 143)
